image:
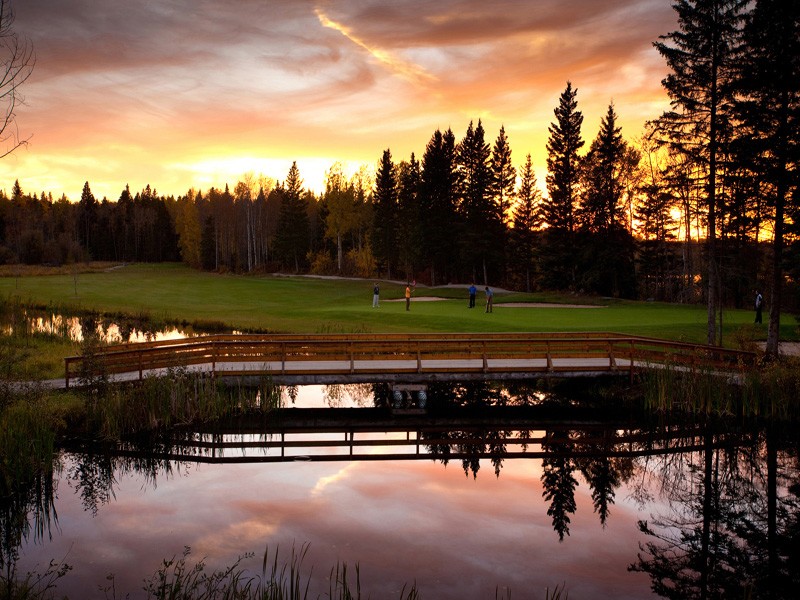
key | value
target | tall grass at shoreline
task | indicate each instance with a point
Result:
(179, 579)
(770, 391)
(176, 398)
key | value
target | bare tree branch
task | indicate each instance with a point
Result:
(17, 60)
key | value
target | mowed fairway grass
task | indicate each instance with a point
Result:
(174, 292)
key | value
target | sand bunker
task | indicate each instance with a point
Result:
(544, 305)
(501, 304)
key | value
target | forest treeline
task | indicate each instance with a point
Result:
(702, 206)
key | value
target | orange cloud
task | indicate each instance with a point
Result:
(128, 92)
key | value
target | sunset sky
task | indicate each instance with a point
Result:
(196, 93)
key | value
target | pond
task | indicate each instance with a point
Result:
(117, 329)
(610, 506)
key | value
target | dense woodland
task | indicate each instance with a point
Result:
(703, 206)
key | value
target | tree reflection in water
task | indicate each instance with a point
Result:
(27, 506)
(730, 491)
(733, 521)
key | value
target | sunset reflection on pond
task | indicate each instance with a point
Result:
(474, 513)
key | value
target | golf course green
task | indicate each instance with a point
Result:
(175, 293)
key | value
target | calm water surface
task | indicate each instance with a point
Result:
(458, 530)
(110, 330)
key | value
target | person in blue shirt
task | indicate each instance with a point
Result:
(472, 291)
(489, 298)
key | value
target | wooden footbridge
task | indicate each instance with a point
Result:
(399, 358)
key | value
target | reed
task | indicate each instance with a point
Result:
(179, 397)
(559, 593)
(675, 389)
(176, 579)
(771, 391)
(34, 585)
(27, 434)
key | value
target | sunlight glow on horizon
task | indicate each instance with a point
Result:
(138, 97)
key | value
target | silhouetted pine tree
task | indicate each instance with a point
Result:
(601, 200)
(437, 201)
(769, 82)
(385, 230)
(563, 178)
(504, 175)
(409, 219)
(504, 181)
(700, 57)
(291, 238)
(87, 219)
(563, 165)
(481, 239)
(607, 245)
(527, 222)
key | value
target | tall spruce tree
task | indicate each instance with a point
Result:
(409, 221)
(563, 179)
(503, 184)
(526, 225)
(769, 80)
(601, 201)
(384, 224)
(87, 221)
(563, 165)
(437, 202)
(479, 216)
(291, 239)
(504, 176)
(607, 245)
(700, 56)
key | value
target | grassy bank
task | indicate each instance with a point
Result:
(175, 293)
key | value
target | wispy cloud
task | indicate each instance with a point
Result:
(410, 71)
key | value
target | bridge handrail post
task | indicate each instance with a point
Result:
(485, 359)
(549, 356)
(419, 357)
(140, 358)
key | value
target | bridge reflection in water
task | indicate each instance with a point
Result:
(701, 486)
(370, 434)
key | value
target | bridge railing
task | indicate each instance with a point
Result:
(399, 353)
